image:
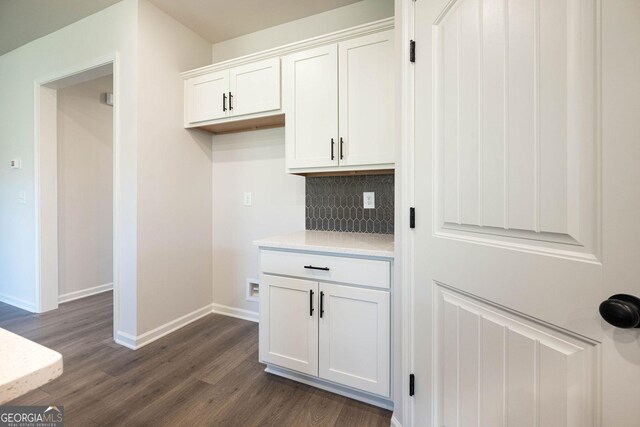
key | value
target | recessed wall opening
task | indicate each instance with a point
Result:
(85, 189)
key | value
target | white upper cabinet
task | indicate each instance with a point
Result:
(255, 87)
(206, 97)
(233, 93)
(366, 98)
(334, 95)
(339, 105)
(311, 107)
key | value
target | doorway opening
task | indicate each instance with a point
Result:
(75, 151)
(85, 188)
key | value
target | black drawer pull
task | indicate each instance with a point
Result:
(321, 303)
(311, 303)
(311, 267)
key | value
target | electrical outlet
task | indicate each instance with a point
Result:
(369, 200)
(16, 164)
(22, 197)
(247, 199)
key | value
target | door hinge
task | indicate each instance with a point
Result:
(412, 385)
(412, 51)
(412, 217)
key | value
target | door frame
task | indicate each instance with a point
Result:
(404, 236)
(45, 171)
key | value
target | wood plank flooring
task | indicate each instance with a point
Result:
(205, 374)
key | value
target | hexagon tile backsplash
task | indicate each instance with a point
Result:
(334, 203)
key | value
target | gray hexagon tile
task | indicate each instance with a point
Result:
(334, 203)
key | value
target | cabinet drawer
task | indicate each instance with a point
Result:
(357, 271)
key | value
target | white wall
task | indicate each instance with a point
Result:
(85, 186)
(174, 176)
(254, 161)
(351, 15)
(249, 162)
(111, 31)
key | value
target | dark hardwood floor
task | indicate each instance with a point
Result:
(205, 374)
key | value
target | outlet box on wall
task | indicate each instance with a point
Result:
(369, 200)
(253, 290)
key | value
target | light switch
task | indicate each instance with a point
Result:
(247, 199)
(369, 199)
(16, 164)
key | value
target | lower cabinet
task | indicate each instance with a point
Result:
(355, 337)
(289, 323)
(338, 333)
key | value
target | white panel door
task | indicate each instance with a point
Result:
(355, 332)
(289, 323)
(367, 100)
(310, 87)
(207, 97)
(255, 87)
(525, 184)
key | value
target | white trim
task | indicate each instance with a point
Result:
(136, 342)
(83, 293)
(17, 302)
(394, 421)
(380, 402)
(360, 30)
(252, 316)
(405, 199)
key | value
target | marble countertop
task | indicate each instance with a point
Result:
(25, 365)
(363, 244)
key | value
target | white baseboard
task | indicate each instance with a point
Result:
(252, 316)
(20, 303)
(83, 293)
(136, 342)
(395, 422)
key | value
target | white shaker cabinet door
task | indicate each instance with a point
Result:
(255, 87)
(355, 337)
(311, 107)
(289, 323)
(207, 97)
(367, 100)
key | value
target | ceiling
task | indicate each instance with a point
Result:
(22, 21)
(219, 20)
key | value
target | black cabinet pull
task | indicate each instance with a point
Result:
(230, 103)
(224, 102)
(341, 148)
(321, 303)
(311, 303)
(311, 267)
(332, 144)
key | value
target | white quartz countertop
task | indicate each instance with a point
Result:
(363, 244)
(25, 365)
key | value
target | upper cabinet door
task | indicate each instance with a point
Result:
(311, 107)
(367, 100)
(355, 337)
(206, 97)
(289, 323)
(255, 87)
